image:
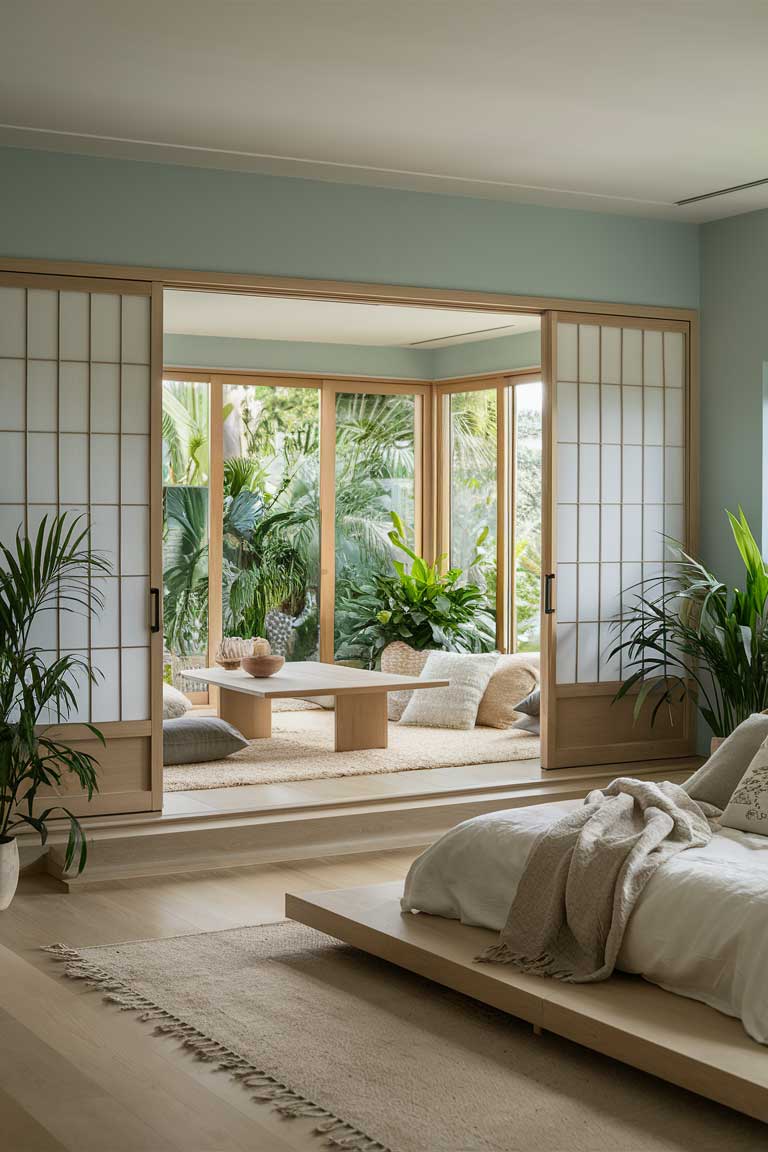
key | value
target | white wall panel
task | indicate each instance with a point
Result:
(73, 397)
(13, 404)
(42, 324)
(74, 325)
(12, 465)
(43, 395)
(13, 322)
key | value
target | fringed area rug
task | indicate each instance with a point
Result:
(301, 748)
(382, 1059)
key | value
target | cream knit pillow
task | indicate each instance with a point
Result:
(455, 706)
(514, 677)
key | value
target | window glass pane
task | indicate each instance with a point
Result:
(375, 474)
(271, 563)
(528, 516)
(473, 487)
(185, 529)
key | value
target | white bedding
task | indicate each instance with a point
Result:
(700, 927)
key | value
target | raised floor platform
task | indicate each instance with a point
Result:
(679, 1040)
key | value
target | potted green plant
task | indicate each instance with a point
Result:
(688, 634)
(423, 607)
(50, 572)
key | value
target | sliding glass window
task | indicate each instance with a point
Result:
(270, 575)
(376, 474)
(526, 538)
(473, 486)
(186, 468)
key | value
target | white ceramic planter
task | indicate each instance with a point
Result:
(9, 871)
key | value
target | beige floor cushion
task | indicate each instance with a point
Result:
(514, 677)
(456, 705)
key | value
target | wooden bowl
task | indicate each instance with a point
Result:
(262, 665)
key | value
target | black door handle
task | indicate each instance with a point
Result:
(154, 594)
(549, 581)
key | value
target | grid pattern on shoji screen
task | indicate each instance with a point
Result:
(620, 481)
(74, 437)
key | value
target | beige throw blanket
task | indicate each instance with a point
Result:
(585, 873)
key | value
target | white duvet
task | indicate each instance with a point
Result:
(699, 929)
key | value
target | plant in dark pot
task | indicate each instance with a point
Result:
(421, 607)
(39, 576)
(688, 634)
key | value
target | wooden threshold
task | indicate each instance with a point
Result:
(274, 823)
(626, 1018)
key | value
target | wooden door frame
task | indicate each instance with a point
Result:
(550, 691)
(125, 740)
(32, 270)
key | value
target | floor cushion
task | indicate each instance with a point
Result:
(197, 739)
(456, 705)
(175, 703)
(530, 707)
(514, 677)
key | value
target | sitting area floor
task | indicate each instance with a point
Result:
(301, 748)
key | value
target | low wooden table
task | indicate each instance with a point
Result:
(361, 698)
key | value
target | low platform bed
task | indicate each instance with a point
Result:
(678, 1039)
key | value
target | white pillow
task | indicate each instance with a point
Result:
(455, 706)
(748, 807)
(175, 703)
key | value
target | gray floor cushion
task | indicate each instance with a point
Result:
(196, 739)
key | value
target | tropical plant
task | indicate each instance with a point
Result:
(48, 573)
(425, 607)
(688, 634)
(186, 427)
(185, 569)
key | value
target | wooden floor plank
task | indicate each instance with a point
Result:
(86, 1077)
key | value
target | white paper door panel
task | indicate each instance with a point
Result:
(75, 437)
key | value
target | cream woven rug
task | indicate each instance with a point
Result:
(382, 1059)
(301, 748)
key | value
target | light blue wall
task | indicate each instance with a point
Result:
(503, 353)
(296, 356)
(129, 212)
(734, 347)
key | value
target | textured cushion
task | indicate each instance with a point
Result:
(175, 703)
(455, 706)
(716, 779)
(530, 708)
(748, 806)
(197, 739)
(513, 678)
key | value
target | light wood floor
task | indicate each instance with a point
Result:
(76, 1074)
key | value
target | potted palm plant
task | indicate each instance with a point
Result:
(50, 572)
(688, 634)
(422, 607)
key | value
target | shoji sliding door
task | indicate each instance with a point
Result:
(617, 418)
(79, 433)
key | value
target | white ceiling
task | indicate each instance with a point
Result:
(333, 322)
(606, 104)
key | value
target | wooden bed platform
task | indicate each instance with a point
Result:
(679, 1040)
